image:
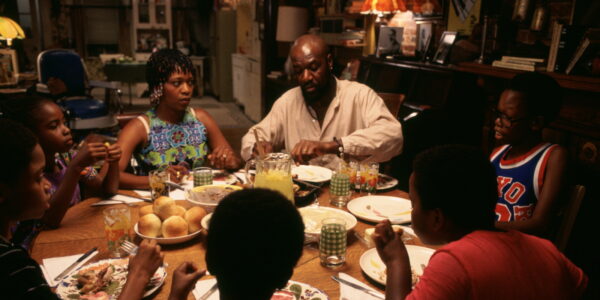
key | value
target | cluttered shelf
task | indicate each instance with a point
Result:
(574, 82)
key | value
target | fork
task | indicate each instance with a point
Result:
(129, 247)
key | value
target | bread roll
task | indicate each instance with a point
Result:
(161, 202)
(148, 209)
(174, 226)
(149, 225)
(167, 211)
(370, 231)
(194, 217)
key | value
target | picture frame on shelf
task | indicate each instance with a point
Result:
(389, 41)
(9, 68)
(446, 41)
(429, 9)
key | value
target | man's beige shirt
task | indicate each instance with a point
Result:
(356, 115)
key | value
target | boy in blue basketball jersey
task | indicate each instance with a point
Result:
(530, 172)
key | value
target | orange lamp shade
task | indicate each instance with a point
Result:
(383, 6)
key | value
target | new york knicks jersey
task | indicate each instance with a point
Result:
(519, 181)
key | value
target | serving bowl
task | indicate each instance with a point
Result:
(313, 216)
(165, 240)
(209, 196)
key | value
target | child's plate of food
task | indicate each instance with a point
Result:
(311, 173)
(293, 290)
(378, 208)
(104, 280)
(373, 266)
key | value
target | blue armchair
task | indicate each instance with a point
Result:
(85, 112)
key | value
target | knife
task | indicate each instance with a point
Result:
(209, 292)
(80, 259)
(358, 287)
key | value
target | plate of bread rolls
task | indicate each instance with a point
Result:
(169, 222)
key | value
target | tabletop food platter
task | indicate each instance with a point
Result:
(105, 276)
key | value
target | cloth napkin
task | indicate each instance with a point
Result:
(119, 199)
(51, 267)
(350, 293)
(202, 286)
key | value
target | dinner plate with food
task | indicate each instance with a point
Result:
(293, 290)
(311, 173)
(169, 222)
(105, 279)
(373, 266)
(378, 208)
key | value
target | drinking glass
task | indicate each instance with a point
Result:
(369, 173)
(117, 226)
(203, 176)
(158, 186)
(332, 244)
(339, 190)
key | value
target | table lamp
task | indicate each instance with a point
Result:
(376, 9)
(10, 30)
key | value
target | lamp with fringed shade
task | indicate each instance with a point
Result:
(383, 6)
(10, 30)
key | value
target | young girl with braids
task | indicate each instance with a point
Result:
(171, 134)
(67, 170)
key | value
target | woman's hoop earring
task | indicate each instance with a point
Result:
(157, 92)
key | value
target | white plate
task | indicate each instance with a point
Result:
(303, 290)
(227, 179)
(167, 241)
(371, 263)
(379, 208)
(312, 173)
(390, 182)
(313, 216)
(69, 285)
(206, 221)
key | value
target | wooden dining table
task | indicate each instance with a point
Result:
(83, 228)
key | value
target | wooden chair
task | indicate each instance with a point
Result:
(568, 216)
(393, 102)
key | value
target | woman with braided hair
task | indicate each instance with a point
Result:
(172, 135)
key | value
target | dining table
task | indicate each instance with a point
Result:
(82, 228)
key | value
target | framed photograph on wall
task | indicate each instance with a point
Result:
(389, 42)
(9, 69)
(446, 42)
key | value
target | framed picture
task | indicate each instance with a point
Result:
(429, 9)
(9, 69)
(389, 42)
(446, 42)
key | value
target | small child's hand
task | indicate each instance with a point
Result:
(389, 244)
(89, 153)
(113, 152)
(184, 280)
(146, 261)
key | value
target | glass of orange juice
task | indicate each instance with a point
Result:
(117, 226)
(369, 174)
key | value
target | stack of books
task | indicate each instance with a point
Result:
(565, 39)
(520, 63)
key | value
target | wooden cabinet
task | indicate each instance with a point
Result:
(247, 85)
(151, 25)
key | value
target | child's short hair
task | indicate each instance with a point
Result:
(254, 242)
(460, 181)
(23, 109)
(542, 94)
(165, 62)
(17, 146)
